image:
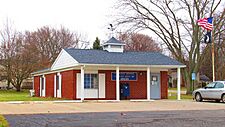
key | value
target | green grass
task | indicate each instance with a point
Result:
(173, 96)
(182, 88)
(3, 122)
(12, 95)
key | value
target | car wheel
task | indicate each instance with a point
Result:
(223, 98)
(198, 97)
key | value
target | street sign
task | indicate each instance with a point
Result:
(193, 76)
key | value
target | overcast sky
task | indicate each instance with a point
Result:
(89, 17)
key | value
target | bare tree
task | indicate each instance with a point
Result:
(139, 42)
(8, 37)
(220, 47)
(48, 42)
(174, 22)
(23, 53)
(17, 60)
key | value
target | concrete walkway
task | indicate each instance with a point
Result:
(159, 105)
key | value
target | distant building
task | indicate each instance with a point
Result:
(26, 84)
(173, 78)
(3, 81)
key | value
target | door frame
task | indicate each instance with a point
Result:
(159, 80)
(42, 90)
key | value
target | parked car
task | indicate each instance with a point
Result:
(212, 91)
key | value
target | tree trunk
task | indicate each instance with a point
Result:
(8, 83)
(188, 81)
(18, 89)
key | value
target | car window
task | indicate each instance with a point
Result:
(211, 85)
(219, 85)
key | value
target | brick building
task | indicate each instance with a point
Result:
(108, 74)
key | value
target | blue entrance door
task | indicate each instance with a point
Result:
(155, 86)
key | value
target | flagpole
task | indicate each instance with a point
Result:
(213, 55)
(207, 23)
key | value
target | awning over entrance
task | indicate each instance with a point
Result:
(149, 72)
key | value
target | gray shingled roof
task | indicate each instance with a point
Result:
(114, 41)
(90, 56)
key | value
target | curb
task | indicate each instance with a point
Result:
(68, 101)
(42, 102)
(142, 100)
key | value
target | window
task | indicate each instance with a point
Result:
(42, 83)
(154, 78)
(90, 81)
(211, 85)
(219, 85)
(57, 82)
(115, 46)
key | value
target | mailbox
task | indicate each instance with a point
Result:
(124, 90)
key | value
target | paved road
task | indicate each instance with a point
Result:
(198, 118)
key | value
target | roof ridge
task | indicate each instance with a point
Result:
(113, 52)
(144, 51)
(82, 49)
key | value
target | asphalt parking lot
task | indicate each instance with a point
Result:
(160, 113)
(197, 118)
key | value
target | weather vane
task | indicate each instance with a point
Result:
(111, 29)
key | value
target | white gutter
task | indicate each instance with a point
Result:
(131, 65)
(106, 65)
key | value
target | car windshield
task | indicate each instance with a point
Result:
(211, 85)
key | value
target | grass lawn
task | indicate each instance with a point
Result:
(3, 122)
(173, 96)
(182, 88)
(12, 95)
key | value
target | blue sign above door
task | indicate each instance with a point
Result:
(125, 76)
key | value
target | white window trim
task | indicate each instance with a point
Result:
(55, 85)
(42, 94)
(56, 92)
(101, 83)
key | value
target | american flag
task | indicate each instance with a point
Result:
(206, 23)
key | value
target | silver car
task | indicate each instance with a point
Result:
(213, 91)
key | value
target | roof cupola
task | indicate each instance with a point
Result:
(113, 45)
